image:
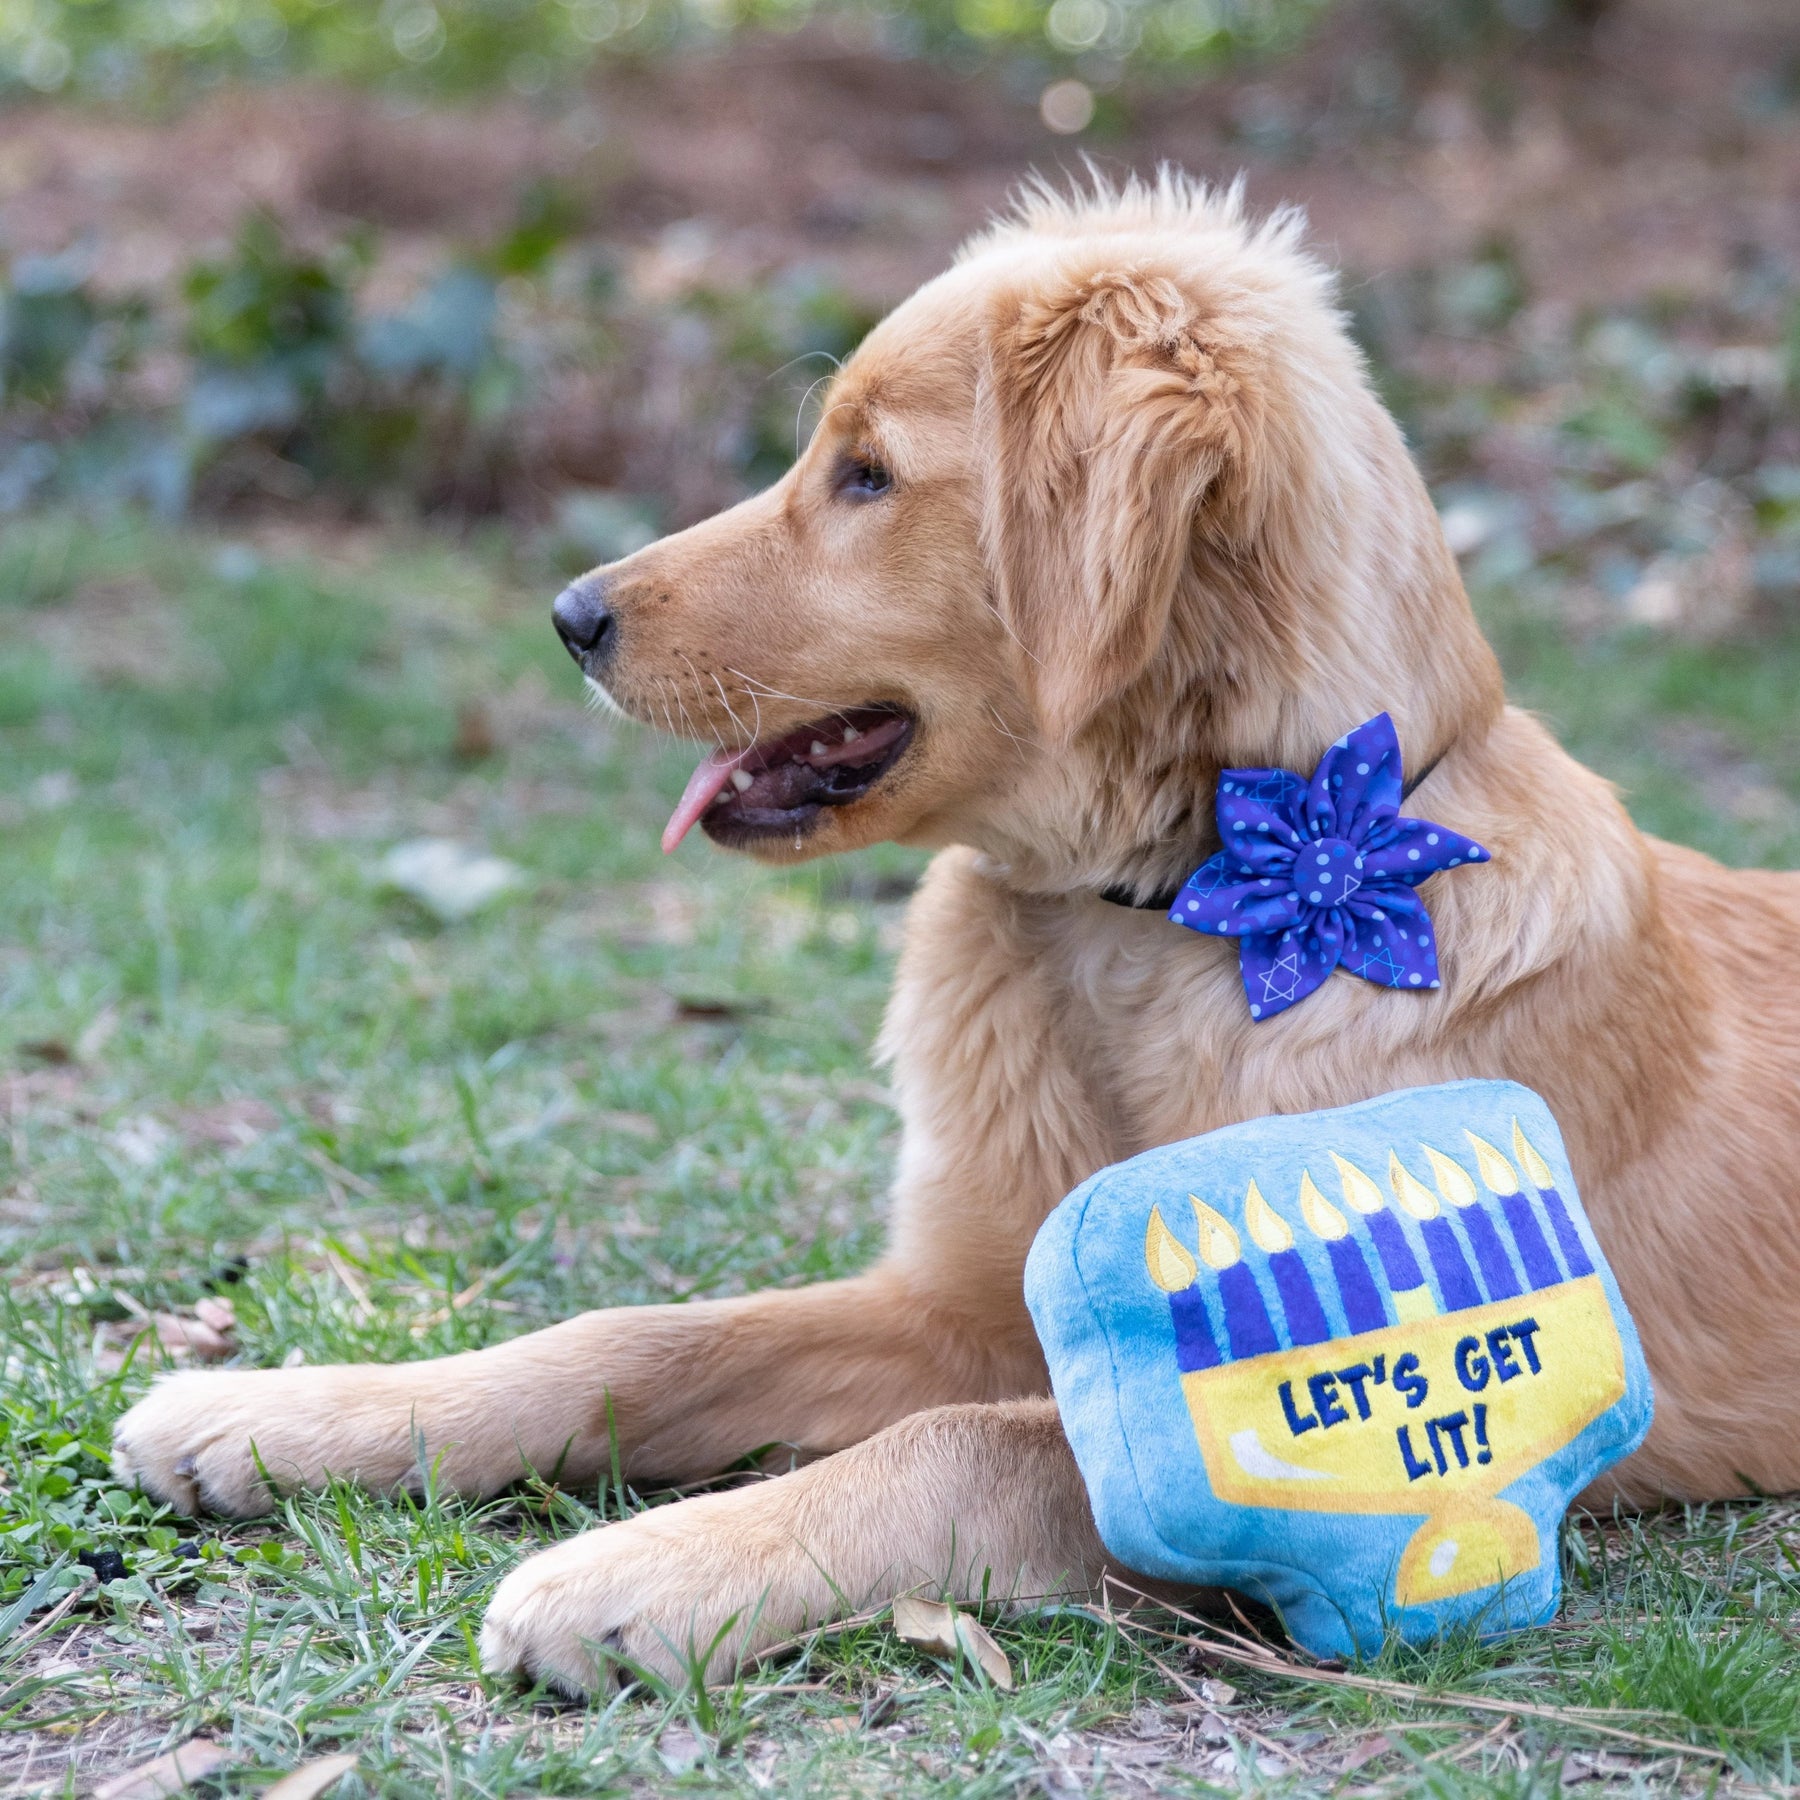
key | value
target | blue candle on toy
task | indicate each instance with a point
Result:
(1538, 1172)
(1412, 1298)
(1455, 1282)
(1363, 1310)
(1175, 1272)
(1272, 1234)
(1247, 1327)
(1521, 1220)
(1457, 1186)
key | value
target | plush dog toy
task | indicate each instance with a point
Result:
(1353, 1363)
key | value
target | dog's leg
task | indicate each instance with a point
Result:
(675, 1392)
(975, 1501)
(999, 1126)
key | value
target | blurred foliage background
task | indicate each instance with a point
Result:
(576, 264)
(537, 46)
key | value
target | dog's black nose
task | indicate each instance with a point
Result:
(583, 620)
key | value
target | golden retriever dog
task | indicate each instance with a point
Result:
(1108, 506)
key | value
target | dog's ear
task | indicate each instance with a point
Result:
(1120, 411)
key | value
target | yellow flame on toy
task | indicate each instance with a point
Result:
(1414, 1196)
(1269, 1231)
(1170, 1266)
(1496, 1171)
(1453, 1180)
(1219, 1246)
(1534, 1165)
(1322, 1218)
(1359, 1191)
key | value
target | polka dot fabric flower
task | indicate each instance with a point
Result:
(1319, 875)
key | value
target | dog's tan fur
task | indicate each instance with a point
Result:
(1148, 520)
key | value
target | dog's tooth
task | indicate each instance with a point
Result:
(818, 749)
(851, 734)
(741, 779)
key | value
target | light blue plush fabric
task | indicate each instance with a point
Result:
(1355, 1363)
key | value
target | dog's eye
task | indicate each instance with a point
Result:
(863, 478)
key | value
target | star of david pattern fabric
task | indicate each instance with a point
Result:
(1318, 875)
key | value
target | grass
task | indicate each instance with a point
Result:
(234, 1066)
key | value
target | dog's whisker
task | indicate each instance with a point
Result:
(837, 362)
(755, 709)
(806, 400)
(675, 687)
(725, 700)
(599, 700)
(753, 686)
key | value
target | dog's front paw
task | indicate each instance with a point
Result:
(672, 1591)
(219, 1440)
(194, 1440)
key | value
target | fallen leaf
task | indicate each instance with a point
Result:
(926, 1625)
(184, 1339)
(171, 1773)
(311, 1779)
(1217, 1693)
(1366, 1751)
(979, 1647)
(47, 1050)
(143, 1141)
(219, 1314)
(194, 1336)
(938, 1629)
(450, 880)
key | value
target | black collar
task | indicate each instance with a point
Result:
(1121, 896)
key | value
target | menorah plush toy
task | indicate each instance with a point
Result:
(1353, 1363)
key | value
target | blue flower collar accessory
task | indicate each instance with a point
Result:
(1319, 875)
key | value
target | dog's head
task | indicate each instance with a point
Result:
(1107, 505)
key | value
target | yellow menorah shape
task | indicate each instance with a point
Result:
(1318, 1450)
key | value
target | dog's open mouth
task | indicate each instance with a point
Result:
(780, 787)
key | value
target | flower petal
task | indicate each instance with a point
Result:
(1390, 940)
(1280, 968)
(1356, 786)
(1410, 849)
(1262, 804)
(1218, 900)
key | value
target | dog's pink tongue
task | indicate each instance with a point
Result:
(716, 768)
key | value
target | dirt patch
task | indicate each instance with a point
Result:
(121, 631)
(1654, 162)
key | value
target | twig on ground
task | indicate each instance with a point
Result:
(84, 1588)
(359, 1293)
(335, 1171)
(1253, 1654)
